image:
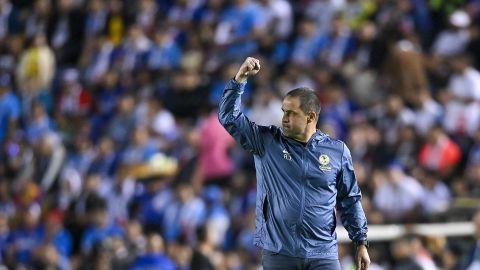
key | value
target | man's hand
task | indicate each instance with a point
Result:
(250, 67)
(362, 258)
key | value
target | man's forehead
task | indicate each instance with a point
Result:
(291, 103)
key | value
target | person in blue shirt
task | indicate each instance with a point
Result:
(23, 240)
(302, 175)
(101, 228)
(239, 28)
(154, 257)
(9, 107)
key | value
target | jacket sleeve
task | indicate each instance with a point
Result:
(349, 200)
(245, 132)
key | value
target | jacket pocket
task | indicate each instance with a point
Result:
(265, 208)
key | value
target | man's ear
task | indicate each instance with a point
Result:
(311, 117)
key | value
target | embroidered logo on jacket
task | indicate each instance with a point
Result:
(286, 155)
(324, 161)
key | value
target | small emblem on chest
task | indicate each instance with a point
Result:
(324, 161)
(286, 155)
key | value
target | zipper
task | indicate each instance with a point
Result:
(302, 196)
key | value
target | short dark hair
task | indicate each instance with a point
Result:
(309, 101)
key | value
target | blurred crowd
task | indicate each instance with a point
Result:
(90, 88)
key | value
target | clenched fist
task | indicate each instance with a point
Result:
(250, 67)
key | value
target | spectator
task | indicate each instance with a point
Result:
(141, 149)
(405, 148)
(133, 50)
(118, 199)
(146, 15)
(39, 123)
(105, 159)
(74, 100)
(336, 44)
(154, 256)
(307, 44)
(216, 165)
(391, 117)
(134, 237)
(436, 198)
(122, 123)
(150, 205)
(37, 22)
(265, 108)
(117, 20)
(36, 64)
(100, 227)
(107, 96)
(96, 60)
(82, 155)
(204, 250)
(160, 122)
(95, 18)
(181, 13)
(405, 70)
(239, 28)
(427, 112)
(66, 33)
(439, 153)
(47, 257)
(462, 113)
(339, 110)
(399, 196)
(217, 218)
(184, 99)
(403, 255)
(24, 239)
(454, 39)
(279, 18)
(49, 157)
(472, 257)
(323, 13)
(4, 234)
(10, 19)
(421, 255)
(165, 54)
(10, 113)
(70, 187)
(183, 215)
(121, 258)
(452, 256)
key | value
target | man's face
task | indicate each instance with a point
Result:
(99, 218)
(294, 120)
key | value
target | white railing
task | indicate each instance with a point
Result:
(390, 232)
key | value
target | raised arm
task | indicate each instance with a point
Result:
(245, 132)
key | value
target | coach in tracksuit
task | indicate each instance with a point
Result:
(302, 174)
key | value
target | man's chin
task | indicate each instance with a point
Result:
(287, 131)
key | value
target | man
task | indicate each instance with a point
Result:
(9, 108)
(301, 173)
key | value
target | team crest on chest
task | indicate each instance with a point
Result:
(324, 161)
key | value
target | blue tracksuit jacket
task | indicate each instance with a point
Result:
(298, 185)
